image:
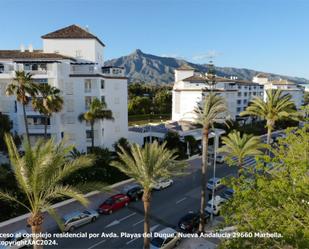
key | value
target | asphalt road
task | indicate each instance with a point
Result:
(167, 207)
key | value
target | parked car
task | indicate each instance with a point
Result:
(214, 182)
(214, 206)
(79, 218)
(134, 192)
(166, 239)
(189, 223)
(114, 203)
(20, 239)
(228, 193)
(220, 158)
(162, 183)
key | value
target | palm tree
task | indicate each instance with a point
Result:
(97, 111)
(40, 174)
(207, 113)
(23, 88)
(47, 103)
(277, 106)
(147, 165)
(240, 147)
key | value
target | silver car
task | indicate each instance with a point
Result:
(77, 219)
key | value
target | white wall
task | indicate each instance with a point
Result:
(182, 74)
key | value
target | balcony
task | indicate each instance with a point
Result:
(38, 127)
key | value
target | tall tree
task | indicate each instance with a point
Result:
(97, 111)
(40, 174)
(277, 106)
(147, 165)
(48, 102)
(24, 89)
(210, 110)
(237, 147)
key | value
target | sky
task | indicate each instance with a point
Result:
(266, 35)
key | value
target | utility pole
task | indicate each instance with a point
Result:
(214, 175)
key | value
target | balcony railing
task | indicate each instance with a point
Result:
(38, 127)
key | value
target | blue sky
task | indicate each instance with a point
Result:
(267, 35)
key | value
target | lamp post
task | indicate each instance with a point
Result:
(214, 175)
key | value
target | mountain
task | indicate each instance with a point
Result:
(141, 67)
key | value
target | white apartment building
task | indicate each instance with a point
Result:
(190, 88)
(71, 60)
(288, 87)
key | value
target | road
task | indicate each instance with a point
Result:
(167, 207)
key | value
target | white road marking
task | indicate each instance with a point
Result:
(138, 222)
(177, 202)
(116, 222)
(153, 228)
(129, 242)
(96, 244)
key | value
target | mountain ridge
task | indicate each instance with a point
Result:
(148, 68)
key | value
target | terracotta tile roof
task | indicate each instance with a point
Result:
(261, 75)
(185, 67)
(71, 32)
(36, 54)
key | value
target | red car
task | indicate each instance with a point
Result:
(113, 203)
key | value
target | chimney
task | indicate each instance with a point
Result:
(22, 48)
(30, 48)
(87, 28)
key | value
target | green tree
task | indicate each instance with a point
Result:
(122, 142)
(139, 105)
(48, 102)
(173, 142)
(97, 111)
(163, 101)
(277, 106)
(147, 165)
(276, 202)
(24, 89)
(209, 111)
(237, 147)
(39, 175)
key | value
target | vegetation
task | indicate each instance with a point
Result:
(173, 142)
(5, 127)
(97, 111)
(147, 165)
(48, 102)
(274, 200)
(23, 88)
(149, 99)
(237, 148)
(40, 174)
(277, 106)
(207, 113)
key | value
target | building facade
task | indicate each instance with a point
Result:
(287, 87)
(71, 60)
(190, 88)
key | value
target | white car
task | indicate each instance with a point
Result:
(162, 183)
(216, 206)
(19, 239)
(165, 239)
(220, 158)
(214, 182)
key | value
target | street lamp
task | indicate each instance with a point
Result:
(214, 175)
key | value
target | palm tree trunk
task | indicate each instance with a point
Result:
(45, 126)
(92, 136)
(269, 129)
(26, 125)
(146, 202)
(203, 179)
(239, 168)
(35, 221)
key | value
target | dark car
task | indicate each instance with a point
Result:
(134, 192)
(189, 223)
(114, 203)
(228, 193)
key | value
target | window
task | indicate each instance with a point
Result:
(239, 94)
(254, 93)
(1, 68)
(103, 99)
(245, 101)
(238, 109)
(102, 84)
(239, 102)
(35, 67)
(87, 102)
(88, 134)
(245, 94)
(87, 86)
